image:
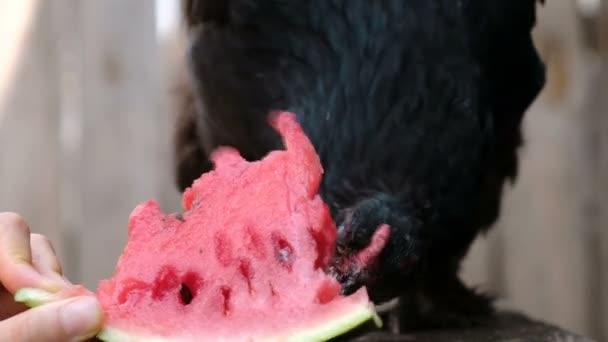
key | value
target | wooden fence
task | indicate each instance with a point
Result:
(85, 135)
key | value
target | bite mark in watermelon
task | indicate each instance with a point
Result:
(246, 260)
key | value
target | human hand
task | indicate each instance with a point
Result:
(28, 260)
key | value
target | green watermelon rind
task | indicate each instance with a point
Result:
(34, 297)
(330, 329)
(345, 322)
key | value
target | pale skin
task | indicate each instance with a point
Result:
(29, 260)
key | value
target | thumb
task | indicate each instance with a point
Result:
(74, 319)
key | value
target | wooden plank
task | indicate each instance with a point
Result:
(508, 327)
(125, 150)
(538, 259)
(15, 21)
(68, 39)
(483, 267)
(28, 132)
(599, 231)
(545, 215)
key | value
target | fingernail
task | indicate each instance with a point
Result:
(81, 317)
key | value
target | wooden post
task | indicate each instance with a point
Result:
(123, 160)
(29, 145)
(115, 137)
(539, 257)
(599, 229)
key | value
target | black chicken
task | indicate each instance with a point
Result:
(414, 107)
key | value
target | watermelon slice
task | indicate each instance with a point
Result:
(246, 261)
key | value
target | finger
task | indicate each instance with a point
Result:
(16, 269)
(44, 258)
(72, 319)
(15, 254)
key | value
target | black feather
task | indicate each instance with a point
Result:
(414, 106)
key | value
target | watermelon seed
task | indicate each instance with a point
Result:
(180, 217)
(284, 251)
(226, 293)
(185, 294)
(189, 286)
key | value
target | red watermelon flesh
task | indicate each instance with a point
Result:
(244, 262)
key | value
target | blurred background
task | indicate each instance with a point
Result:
(86, 128)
